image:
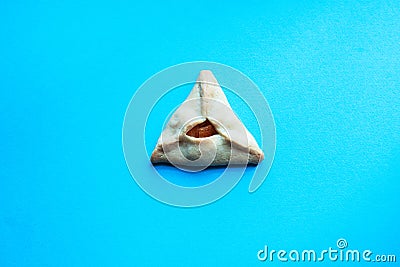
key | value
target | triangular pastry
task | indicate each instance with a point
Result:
(204, 131)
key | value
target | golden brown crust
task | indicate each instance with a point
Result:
(213, 124)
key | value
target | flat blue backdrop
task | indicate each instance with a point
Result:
(330, 72)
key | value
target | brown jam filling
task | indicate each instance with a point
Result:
(204, 129)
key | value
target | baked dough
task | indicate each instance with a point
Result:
(204, 131)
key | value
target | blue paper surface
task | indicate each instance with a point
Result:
(330, 73)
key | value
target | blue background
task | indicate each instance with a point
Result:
(330, 73)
